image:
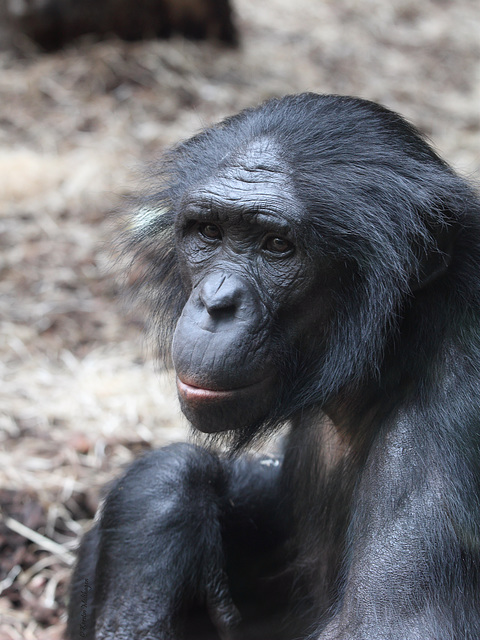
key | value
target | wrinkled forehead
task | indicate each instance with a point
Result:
(255, 170)
(252, 177)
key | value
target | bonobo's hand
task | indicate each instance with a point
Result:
(151, 611)
(159, 554)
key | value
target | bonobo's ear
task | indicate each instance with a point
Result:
(434, 262)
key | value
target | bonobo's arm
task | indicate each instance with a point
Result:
(156, 549)
(154, 566)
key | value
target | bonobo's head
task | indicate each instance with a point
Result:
(281, 248)
(254, 291)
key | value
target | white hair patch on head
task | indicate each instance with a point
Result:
(145, 217)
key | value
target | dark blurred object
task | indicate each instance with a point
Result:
(52, 24)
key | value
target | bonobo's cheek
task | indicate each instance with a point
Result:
(212, 411)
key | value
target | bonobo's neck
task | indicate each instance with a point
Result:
(319, 473)
(327, 451)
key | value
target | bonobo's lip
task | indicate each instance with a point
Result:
(192, 393)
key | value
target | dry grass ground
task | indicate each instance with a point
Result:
(79, 395)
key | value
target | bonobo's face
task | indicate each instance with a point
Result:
(243, 257)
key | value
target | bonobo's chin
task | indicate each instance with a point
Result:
(217, 410)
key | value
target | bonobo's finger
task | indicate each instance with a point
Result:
(221, 608)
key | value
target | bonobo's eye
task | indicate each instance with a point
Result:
(210, 231)
(278, 246)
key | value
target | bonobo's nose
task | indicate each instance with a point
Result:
(225, 297)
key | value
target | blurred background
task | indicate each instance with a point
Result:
(80, 395)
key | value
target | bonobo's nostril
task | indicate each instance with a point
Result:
(222, 295)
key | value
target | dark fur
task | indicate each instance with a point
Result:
(375, 513)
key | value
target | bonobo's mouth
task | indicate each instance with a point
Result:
(193, 393)
(213, 410)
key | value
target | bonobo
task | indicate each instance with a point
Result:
(318, 266)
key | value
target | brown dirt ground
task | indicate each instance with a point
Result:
(79, 396)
